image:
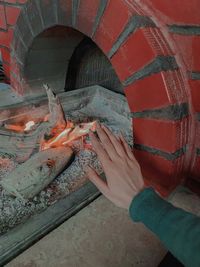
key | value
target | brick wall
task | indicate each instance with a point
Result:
(181, 20)
(9, 12)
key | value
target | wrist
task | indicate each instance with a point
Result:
(138, 201)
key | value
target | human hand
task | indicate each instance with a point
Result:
(123, 174)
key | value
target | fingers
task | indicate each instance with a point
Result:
(127, 147)
(116, 143)
(101, 153)
(106, 142)
(96, 179)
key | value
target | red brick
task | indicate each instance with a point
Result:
(6, 37)
(11, 1)
(195, 53)
(158, 41)
(6, 68)
(177, 86)
(86, 15)
(149, 93)
(158, 172)
(5, 54)
(184, 48)
(159, 134)
(197, 133)
(2, 18)
(12, 14)
(16, 86)
(195, 173)
(176, 11)
(195, 93)
(114, 19)
(15, 67)
(22, 1)
(188, 48)
(134, 54)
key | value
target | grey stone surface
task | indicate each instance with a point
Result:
(8, 96)
(100, 235)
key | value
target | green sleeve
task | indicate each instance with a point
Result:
(178, 230)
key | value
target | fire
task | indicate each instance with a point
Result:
(21, 127)
(68, 135)
(58, 136)
(62, 133)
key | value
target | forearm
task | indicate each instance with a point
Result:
(178, 230)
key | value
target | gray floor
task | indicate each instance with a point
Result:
(8, 96)
(100, 235)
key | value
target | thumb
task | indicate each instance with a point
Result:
(96, 180)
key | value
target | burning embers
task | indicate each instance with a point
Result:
(61, 132)
(70, 134)
(35, 174)
(22, 127)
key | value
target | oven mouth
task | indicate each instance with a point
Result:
(66, 59)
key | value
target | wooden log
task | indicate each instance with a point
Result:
(56, 116)
(21, 145)
(31, 177)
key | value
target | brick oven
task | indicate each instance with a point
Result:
(144, 50)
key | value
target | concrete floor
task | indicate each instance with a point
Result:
(100, 235)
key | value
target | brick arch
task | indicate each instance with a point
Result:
(144, 63)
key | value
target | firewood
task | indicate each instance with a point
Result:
(56, 116)
(21, 145)
(31, 177)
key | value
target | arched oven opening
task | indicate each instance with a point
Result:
(66, 59)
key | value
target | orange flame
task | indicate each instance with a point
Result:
(68, 135)
(61, 135)
(21, 127)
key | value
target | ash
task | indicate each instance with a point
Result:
(14, 211)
